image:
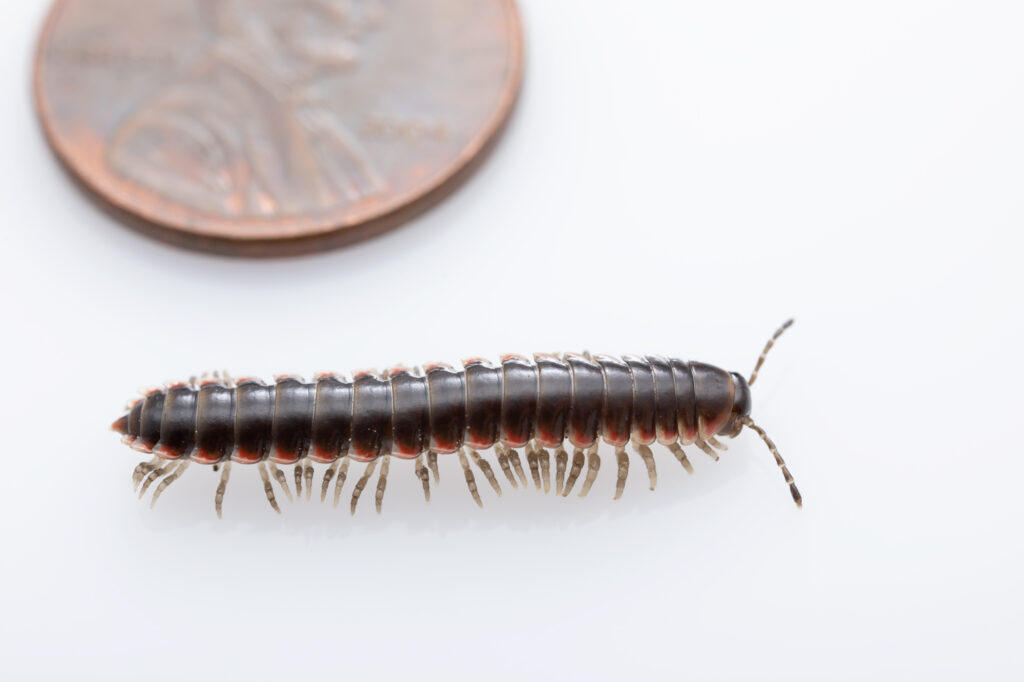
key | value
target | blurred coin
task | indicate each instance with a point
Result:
(263, 127)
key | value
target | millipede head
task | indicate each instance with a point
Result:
(741, 404)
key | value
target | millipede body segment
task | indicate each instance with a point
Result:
(537, 405)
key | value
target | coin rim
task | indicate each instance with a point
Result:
(222, 235)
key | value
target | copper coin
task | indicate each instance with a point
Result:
(263, 127)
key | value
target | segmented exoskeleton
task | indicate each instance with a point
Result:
(533, 404)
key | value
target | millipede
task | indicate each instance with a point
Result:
(534, 405)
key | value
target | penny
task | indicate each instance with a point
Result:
(266, 127)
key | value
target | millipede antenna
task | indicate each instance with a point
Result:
(768, 347)
(749, 423)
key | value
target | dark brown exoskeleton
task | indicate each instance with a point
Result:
(533, 404)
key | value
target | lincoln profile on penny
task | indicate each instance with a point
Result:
(246, 130)
(415, 414)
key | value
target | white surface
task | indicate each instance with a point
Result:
(679, 178)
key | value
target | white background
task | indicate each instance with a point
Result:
(678, 178)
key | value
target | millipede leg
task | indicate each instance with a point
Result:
(424, 476)
(432, 463)
(593, 465)
(470, 481)
(307, 474)
(561, 460)
(574, 472)
(266, 486)
(382, 480)
(342, 475)
(531, 459)
(648, 457)
(502, 453)
(486, 468)
(175, 475)
(282, 480)
(707, 449)
(717, 443)
(544, 459)
(681, 456)
(328, 475)
(361, 483)
(218, 499)
(153, 475)
(298, 480)
(141, 470)
(517, 464)
(623, 461)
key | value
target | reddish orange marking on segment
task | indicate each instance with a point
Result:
(548, 439)
(478, 443)
(712, 427)
(436, 365)
(279, 457)
(578, 438)
(445, 447)
(166, 452)
(245, 456)
(688, 435)
(361, 456)
(206, 457)
(322, 456)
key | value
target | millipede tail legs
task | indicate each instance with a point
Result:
(153, 475)
(298, 480)
(143, 469)
(175, 475)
